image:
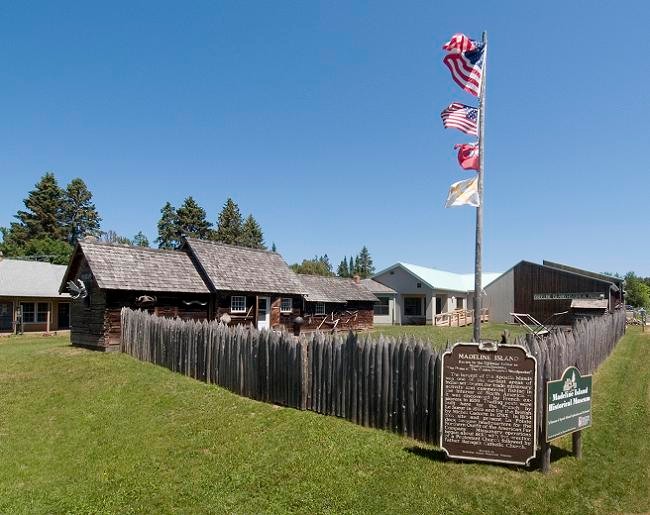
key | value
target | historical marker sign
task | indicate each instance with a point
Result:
(568, 404)
(488, 400)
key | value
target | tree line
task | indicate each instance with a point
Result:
(360, 265)
(190, 220)
(55, 218)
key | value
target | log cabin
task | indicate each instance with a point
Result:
(205, 280)
(110, 277)
(337, 304)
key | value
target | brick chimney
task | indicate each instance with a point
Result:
(357, 279)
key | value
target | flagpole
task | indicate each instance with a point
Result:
(478, 266)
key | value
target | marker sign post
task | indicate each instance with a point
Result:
(567, 410)
(488, 403)
(568, 404)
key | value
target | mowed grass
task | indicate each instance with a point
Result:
(84, 432)
(440, 336)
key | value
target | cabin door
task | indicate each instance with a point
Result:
(263, 313)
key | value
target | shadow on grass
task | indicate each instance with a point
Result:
(557, 453)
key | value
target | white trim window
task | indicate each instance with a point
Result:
(319, 308)
(286, 305)
(34, 312)
(238, 304)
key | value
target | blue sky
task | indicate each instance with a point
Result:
(322, 119)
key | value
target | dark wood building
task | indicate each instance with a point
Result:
(164, 282)
(247, 286)
(337, 303)
(547, 289)
(205, 280)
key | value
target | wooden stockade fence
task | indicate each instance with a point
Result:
(381, 382)
(585, 346)
(385, 383)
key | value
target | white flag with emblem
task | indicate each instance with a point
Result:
(464, 193)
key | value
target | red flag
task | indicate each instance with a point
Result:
(468, 157)
(465, 62)
(459, 43)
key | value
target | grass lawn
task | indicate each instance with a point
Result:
(439, 336)
(84, 432)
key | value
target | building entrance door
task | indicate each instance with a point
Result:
(6, 317)
(64, 315)
(263, 313)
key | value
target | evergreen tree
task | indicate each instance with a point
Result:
(364, 266)
(355, 270)
(351, 267)
(273, 247)
(251, 234)
(168, 236)
(80, 217)
(140, 240)
(191, 220)
(229, 225)
(343, 270)
(42, 217)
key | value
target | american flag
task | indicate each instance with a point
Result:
(461, 117)
(465, 62)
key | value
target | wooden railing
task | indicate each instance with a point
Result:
(459, 317)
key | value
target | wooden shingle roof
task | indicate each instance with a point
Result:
(334, 289)
(123, 267)
(241, 269)
(377, 287)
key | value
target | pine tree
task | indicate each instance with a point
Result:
(191, 220)
(42, 217)
(273, 247)
(251, 234)
(168, 236)
(140, 240)
(343, 270)
(355, 269)
(80, 217)
(364, 266)
(229, 225)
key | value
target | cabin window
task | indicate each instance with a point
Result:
(459, 302)
(238, 304)
(381, 307)
(319, 308)
(34, 312)
(413, 306)
(286, 305)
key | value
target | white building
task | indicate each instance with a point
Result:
(417, 293)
